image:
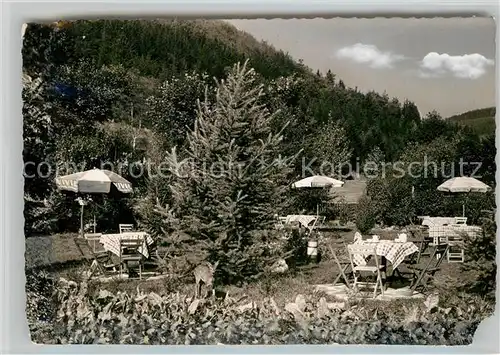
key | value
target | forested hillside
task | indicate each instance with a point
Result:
(126, 92)
(482, 120)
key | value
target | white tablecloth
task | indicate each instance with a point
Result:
(393, 251)
(111, 242)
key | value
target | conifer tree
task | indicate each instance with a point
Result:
(232, 180)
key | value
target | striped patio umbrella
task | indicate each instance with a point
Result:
(95, 181)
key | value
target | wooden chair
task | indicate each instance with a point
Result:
(280, 223)
(456, 252)
(320, 221)
(93, 240)
(129, 252)
(340, 256)
(125, 228)
(418, 237)
(102, 259)
(365, 251)
(424, 274)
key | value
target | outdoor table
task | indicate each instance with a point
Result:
(390, 250)
(111, 242)
(438, 233)
(437, 221)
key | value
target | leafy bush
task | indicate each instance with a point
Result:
(39, 290)
(41, 306)
(481, 256)
(365, 216)
(119, 318)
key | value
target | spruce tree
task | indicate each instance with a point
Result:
(231, 181)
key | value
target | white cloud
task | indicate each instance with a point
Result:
(467, 66)
(369, 54)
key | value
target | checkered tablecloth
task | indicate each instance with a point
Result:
(440, 234)
(437, 221)
(393, 251)
(111, 242)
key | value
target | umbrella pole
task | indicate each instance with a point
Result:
(463, 205)
(81, 222)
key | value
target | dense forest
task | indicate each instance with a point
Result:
(481, 120)
(127, 92)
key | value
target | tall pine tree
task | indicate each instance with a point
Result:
(232, 180)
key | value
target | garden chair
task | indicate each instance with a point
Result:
(102, 259)
(418, 238)
(319, 222)
(129, 252)
(365, 251)
(125, 228)
(341, 258)
(461, 220)
(279, 225)
(424, 274)
(456, 251)
(93, 240)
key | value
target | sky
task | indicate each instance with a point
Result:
(442, 64)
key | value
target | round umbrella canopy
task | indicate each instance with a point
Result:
(318, 181)
(463, 184)
(93, 181)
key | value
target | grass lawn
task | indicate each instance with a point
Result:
(282, 288)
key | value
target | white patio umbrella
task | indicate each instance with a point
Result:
(95, 181)
(317, 181)
(463, 184)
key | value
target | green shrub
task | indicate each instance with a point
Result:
(481, 256)
(365, 216)
(119, 318)
(41, 305)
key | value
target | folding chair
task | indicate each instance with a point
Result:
(125, 228)
(320, 221)
(279, 225)
(364, 251)
(423, 242)
(102, 259)
(93, 240)
(456, 252)
(129, 252)
(423, 275)
(342, 261)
